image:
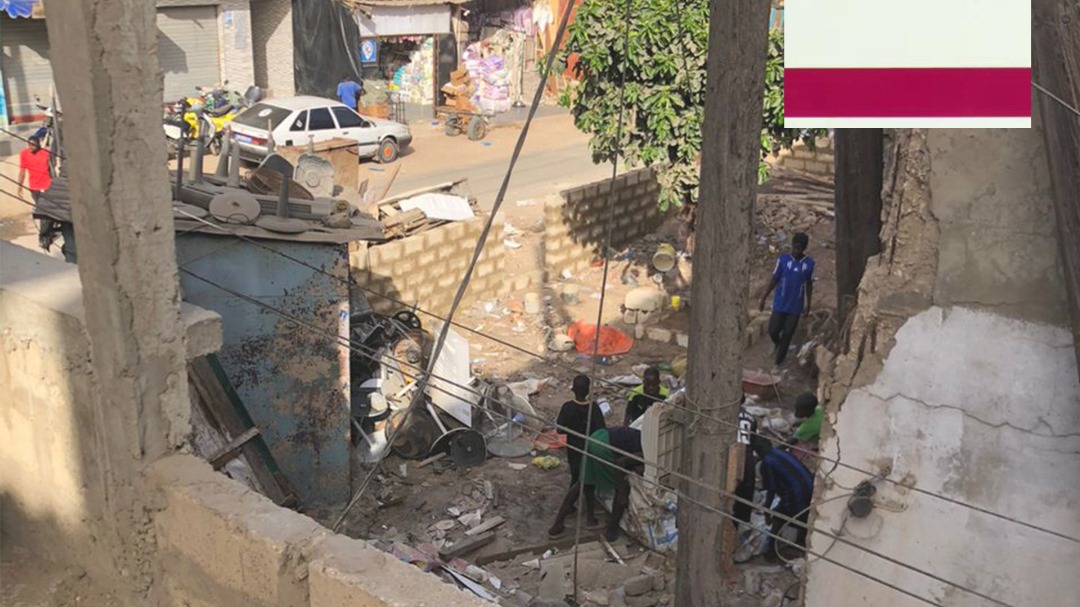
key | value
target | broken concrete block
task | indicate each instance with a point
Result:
(659, 582)
(683, 340)
(552, 580)
(648, 600)
(617, 598)
(638, 585)
(597, 598)
(659, 334)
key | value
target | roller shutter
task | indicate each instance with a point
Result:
(26, 67)
(188, 49)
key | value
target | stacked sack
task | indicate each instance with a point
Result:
(415, 80)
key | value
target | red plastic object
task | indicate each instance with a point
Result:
(613, 342)
(549, 440)
(759, 385)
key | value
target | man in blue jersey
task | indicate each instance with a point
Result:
(349, 92)
(793, 280)
(784, 476)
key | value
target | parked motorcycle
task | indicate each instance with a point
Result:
(205, 116)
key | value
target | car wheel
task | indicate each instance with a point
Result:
(477, 128)
(388, 151)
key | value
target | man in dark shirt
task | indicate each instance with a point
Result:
(793, 279)
(575, 417)
(784, 476)
(605, 470)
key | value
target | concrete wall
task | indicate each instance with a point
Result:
(293, 379)
(819, 162)
(222, 544)
(59, 489)
(975, 396)
(426, 268)
(272, 46)
(577, 220)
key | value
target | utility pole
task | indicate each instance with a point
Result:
(738, 38)
(860, 165)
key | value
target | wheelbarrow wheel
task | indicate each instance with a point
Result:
(453, 126)
(477, 128)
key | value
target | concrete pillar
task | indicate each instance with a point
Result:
(106, 71)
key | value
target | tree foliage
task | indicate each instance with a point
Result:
(665, 88)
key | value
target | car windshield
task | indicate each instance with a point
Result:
(258, 115)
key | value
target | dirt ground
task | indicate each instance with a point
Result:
(31, 581)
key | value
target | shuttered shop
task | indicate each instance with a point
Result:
(26, 67)
(188, 49)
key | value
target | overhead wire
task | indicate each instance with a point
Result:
(363, 351)
(694, 411)
(1059, 100)
(605, 251)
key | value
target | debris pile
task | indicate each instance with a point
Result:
(421, 210)
(459, 91)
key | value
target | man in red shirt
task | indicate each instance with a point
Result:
(37, 163)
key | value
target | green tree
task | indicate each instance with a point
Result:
(665, 89)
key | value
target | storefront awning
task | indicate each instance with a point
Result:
(411, 20)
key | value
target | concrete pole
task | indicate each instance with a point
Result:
(738, 38)
(104, 61)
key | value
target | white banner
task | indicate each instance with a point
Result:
(404, 21)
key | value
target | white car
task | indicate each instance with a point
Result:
(293, 121)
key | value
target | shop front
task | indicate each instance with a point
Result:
(406, 50)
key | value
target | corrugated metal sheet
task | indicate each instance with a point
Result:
(188, 48)
(26, 66)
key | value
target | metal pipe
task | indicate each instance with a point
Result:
(197, 161)
(234, 167)
(223, 159)
(179, 167)
(283, 198)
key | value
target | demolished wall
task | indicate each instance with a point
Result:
(60, 490)
(956, 375)
(202, 540)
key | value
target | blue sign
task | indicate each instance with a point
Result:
(369, 51)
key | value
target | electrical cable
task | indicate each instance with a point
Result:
(1059, 100)
(607, 266)
(695, 411)
(464, 284)
(585, 454)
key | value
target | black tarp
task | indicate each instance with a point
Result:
(446, 61)
(326, 46)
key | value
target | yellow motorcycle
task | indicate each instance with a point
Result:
(205, 117)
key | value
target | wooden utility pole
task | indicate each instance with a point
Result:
(859, 168)
(738, 38)
(1056, 57)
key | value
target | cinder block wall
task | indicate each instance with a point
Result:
(426, 268)
(272, 46)
(222, 544)
(576, 220)
(819, 162)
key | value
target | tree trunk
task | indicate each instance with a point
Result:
(736, 82)
(1056, 58)
(859, 170)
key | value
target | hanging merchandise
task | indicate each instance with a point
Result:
(415, 80)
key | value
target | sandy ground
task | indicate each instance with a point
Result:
(31, 581)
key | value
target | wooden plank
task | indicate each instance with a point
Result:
(234, 420)
(487, 525)
(467, 545)
(232, 449)
(506, 555)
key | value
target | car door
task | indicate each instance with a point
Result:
(294, 132)
(353, 126)
(321, 126)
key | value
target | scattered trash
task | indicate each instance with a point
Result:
(561, 342)
(570, 293)
(533, 303)
(545, 462)
(510, 244)
(518, 467)
(664, 259)
(403, 470)
(526, 203)
(471, 519)
(440, 207)
(605, 406)
(567, 275)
